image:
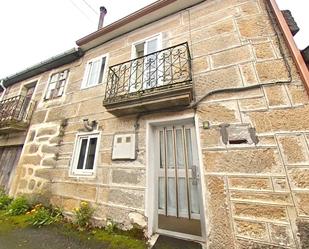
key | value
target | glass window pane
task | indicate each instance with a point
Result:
(179, 149)
(189, 147)
(195, 206)
(82, 152)
(91, 153)
(102, 69)
(162, 156)
(182, 197)
(161, 193)
(170, 149)
(171, 196)
(94, 73)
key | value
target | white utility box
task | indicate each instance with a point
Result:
(124, 146)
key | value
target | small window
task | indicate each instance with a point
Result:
(56, 85)
(85, 154)
(94, 72)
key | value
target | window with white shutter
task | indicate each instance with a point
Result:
(56, 85)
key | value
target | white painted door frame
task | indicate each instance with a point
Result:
(151, 209)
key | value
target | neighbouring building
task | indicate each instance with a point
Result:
(189, 118)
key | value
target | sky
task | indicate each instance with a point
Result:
(34, 30)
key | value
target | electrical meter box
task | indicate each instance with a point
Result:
(124, 146)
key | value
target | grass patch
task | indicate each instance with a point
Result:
(9, 223)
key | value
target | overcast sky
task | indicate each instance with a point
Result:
(34, 30)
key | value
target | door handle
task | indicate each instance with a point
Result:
(194, 175)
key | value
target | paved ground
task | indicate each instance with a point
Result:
(45, 238)
(165, 242)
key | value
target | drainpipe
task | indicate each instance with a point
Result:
(4, 90)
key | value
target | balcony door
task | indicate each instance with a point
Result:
(27, 92)
(145, 69)
(178, 198)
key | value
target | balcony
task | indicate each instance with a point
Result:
(15, 114)
(155, 81)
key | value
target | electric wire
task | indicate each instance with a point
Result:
(81, 11)
(90, 7)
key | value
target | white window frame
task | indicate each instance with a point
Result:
(145, 40)
(74, 172)
(87, 71)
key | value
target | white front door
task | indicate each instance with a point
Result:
(178, 180)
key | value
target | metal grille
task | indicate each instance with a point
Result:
(18, 108)
(178, 175)
(157, 71)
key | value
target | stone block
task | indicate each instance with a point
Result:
(217, 113)
(232, 56)
(252, 104)
(31, 184)
(22, 184)
(63, 112)
(69, 204)
(281, 235)
(270, 198)
(210, 138)
(56, 200)
(200, 64)
(249, 244)
(293, 119)
(252, 93)
(248, 74)
(263, 212)
(254, 26)
(32, 148)
(215, 44)
(49, 161)
(264, 51)
(253, 230)
(272, 71)
(38, 117)
(224, 78)
(299, 178)
(298, 94)
(280, 184)
(276, 96)
(303, 229)
(249, 8)
(293, 149)
(94, 105)
(106, 157)
(31, 136)
(302, 203)
(221, 233)
(128, 198)
(51, 174)
(222, 27)
(103, 194)
(49, 149)
(128, 177)
(31, 159)
(256, 183)
(250, 161)
(47, 131)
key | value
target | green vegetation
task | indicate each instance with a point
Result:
(19, 214)
(18, 206)
(5, 200)
(42, 216)
(83, 215)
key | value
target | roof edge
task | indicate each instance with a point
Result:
(125, 20)
(43, 66)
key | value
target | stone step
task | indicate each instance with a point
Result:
(165, 242)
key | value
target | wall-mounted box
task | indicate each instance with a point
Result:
(124, 146)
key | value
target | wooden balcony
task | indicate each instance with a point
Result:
(159, 80)
(15, 114)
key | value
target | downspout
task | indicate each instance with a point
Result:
(4, 90)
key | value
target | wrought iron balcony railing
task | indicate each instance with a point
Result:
(16, 111)
(148, 74)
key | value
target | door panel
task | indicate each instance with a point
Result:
(178, 180)
(9, 157)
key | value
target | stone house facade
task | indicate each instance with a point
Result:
(188, 118)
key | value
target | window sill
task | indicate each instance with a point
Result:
(88, 87)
